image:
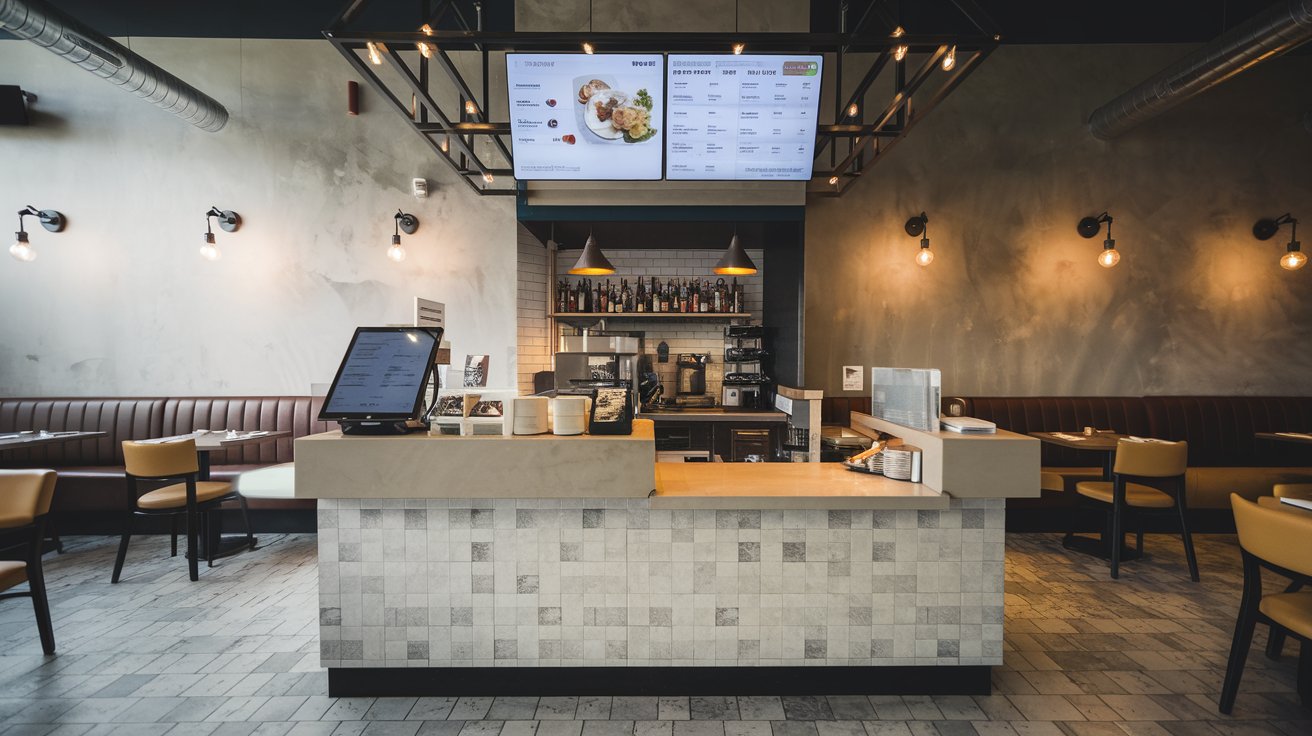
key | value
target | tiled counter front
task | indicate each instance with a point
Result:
(459, 583)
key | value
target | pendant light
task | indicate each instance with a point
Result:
(592, 262)
(1089, 227)
(1266, 228)
(735, 261)
(919, 226)
(22, 248)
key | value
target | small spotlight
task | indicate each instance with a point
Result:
(900, 53)
(588, 48)
(487, 177)
(375, 56)
(950, 60)
(833, 180)
(470, 108)
(426, 29)
(852, 110)
(739, 47)
(445, 145)
(425, 50)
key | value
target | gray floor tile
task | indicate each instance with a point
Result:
(470, 709)
(608, 728)
(634, 707)
(513, 709)
(595, 708)
(712, 708)
(431, 709)
(557, 708)
(390, 709)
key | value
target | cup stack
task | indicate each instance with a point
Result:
(531, 415)
(570, 414)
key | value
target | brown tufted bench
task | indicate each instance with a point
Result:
(91, 471)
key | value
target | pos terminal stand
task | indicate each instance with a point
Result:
(379, 387)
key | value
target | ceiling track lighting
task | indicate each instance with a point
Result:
(918, 226)
(375, 52)
(425, 49)
(900, 50)
(1267, 227)
(735, 261)
(404, 222)
(592, 262)
(1089, 227)
(228, 221)
(50, 219)
(950, 59)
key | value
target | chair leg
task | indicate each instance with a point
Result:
(122, 548)
(54, 538)
(193, 551)
(1305, 673)
(1117, 539)
(1275, 641)
(1188, 538)
(211, 537)
(36, 581)
(1138, 537)
(246, 520)
(1243, 638)
(173, 535)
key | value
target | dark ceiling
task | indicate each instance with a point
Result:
(1020, 21)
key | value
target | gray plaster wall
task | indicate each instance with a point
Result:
(1014, 302)
(121, 303)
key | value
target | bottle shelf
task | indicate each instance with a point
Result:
(708, 316)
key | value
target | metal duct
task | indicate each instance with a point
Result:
(1267, 35)
(47, 27)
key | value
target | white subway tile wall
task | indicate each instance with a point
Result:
(681, 336)
(610, 582)
(533, 288)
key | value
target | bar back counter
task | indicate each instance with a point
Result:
(577, 565)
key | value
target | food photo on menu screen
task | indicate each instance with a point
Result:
(586, 116)
(746, 117)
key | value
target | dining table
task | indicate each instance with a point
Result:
(1104, 443)
(37, 437)
(1302, 438)
(216, 440)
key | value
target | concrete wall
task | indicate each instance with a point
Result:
(1014, 302)
(120, 303)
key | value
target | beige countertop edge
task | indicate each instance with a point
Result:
(706, 416)
(752, 503)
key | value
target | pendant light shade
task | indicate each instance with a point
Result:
(735, 261)
(592, 262)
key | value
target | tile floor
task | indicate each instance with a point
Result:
(237, 654)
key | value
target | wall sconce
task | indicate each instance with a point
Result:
(228, 221)
(919, 226)
(50, 220)
(735, 261)
(1089, 227)
(1266, 228)
(592, 262)
(405, 223)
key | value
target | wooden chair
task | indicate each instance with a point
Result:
(1275, 641)
(1280, 541)
(1147, 476)
(24, 503)
(190, 499)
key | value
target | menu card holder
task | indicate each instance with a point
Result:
(612, 412)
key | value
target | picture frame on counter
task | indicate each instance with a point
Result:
(612, 412)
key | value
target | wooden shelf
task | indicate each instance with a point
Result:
(709, 316)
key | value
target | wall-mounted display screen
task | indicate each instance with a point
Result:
(750, 117)
(586, 116)
(383, 375)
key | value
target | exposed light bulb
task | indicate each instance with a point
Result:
(22, 250)
(375, 57)
(898, 32)
(1108, 258)
(425, 50)
(426, 29)
(470, 108)
(209, 251)
(1291, 261)
(833, 180)
(739, 47)
(950, 60)
(925, 256)
(487, 177)
(852, 110)
(900, 52)
(396, 253)
(445, 145)
(588, 48)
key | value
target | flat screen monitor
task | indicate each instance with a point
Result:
(748, 117)
(586, 116)
(383, 375)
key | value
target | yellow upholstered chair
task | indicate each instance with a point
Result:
(1293, 490)
(24, 502)
(189, 498)
(1147, 476)
(1280, 541)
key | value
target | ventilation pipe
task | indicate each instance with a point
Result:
(1267, 35)
(36, 21)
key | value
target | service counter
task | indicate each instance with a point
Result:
(491, 566)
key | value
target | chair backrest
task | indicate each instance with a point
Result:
(1276, 536)
(1151, 459)
(160, 460)
(24, 495)
(1293, 490)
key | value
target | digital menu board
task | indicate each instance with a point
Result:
(586, 116)
(750, 116)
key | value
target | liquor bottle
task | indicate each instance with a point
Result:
(596, 296)
(696, 295)
(638, 305)
(627, 301)
(737, 296)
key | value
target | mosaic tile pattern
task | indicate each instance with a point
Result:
(590, 582)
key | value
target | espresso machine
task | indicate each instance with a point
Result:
(591, 360)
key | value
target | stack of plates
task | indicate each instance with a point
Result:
(531, 415)
(570, 414)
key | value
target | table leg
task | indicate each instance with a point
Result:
(1101, 547)
(231, 544)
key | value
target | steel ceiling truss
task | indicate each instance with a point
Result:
(451, 116)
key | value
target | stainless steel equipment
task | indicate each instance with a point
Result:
(692, 374)
(589, 361)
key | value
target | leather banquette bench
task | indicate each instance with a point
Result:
(1224, 455)
(91, 471)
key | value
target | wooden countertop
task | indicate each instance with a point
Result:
(720, 415)
(784, 486)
